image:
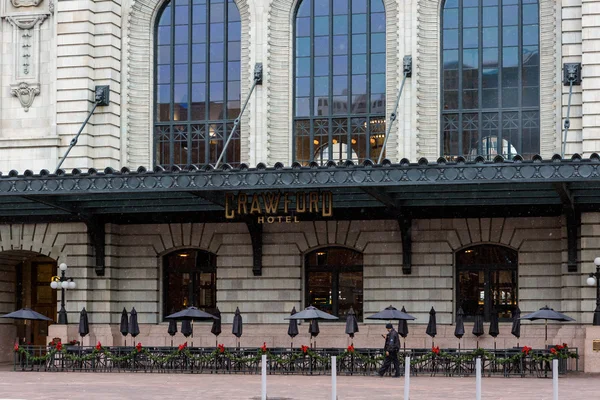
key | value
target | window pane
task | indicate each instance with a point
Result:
(471, 292)
(450, 18)
(359, 23)
(319, 290)
(340, 65)
(321, 26)
(351, 294)
(340, 25)
(470, 17)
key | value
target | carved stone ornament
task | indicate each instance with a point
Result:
(26, 93)
(25, 3)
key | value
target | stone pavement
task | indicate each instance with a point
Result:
(109, 386)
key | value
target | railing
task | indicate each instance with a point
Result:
(448, 362)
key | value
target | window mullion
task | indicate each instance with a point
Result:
(225, 112)
(459, 123)
(330, 73)
(311, 105)
(172, 89)
(519, 80)
(190, 85)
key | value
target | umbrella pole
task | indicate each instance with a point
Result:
(192, 333)
(546, 329)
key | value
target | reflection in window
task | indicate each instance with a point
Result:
(197, 81)
(487, 281)
(190, 279)
(334, 281)
(339, 73)
(490, 74)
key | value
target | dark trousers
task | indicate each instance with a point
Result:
(391, 358)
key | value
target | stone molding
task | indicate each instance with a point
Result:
(25, 3)
(279, 77)
(26, 53)
(427, 70)
(140, 80)
(25, 92)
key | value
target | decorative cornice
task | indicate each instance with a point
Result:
(27, 21)
(25, 92)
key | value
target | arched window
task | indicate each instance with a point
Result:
(334, 281)
(339, 74)
(190, 279)
(486, 277)
(197, 82)
(490, 78)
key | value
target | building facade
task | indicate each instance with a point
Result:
(497, 222)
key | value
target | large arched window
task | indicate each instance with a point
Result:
(189, 279)
(334, 281)
(486, 277)
(339, 75)
(197, 82)
(490, 78)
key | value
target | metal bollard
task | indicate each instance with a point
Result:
(333, 378)
(264, 376)
(555, 379)
(406, 377)
(478, 379)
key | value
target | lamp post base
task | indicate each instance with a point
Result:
(62, 316)
(597, 316)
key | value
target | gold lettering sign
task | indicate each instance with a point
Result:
(271, 207)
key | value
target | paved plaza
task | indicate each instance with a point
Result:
(109, 386)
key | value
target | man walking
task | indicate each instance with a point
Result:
(392, 345)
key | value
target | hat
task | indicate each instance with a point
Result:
(388, 326)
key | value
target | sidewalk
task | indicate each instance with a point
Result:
(107, 386)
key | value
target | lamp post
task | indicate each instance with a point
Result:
(63, 283)
(594, 279)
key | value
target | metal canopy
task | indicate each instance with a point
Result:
(416, 189)
(403, 191)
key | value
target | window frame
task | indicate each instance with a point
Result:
(195, 276)
(487, 270)
(528, 117)
(335, 271)
(203, 128)
(374, 123)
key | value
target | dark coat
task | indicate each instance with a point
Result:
(392, 341)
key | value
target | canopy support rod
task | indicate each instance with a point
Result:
(101, 98)
(258, 73)
(571, 76)
(393, 115)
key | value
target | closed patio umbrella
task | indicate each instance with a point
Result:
(216, 327)
(236, 329)
(351, 324)
(516, 324)
(186, 327)
(134, 328)
(84, 325)
(293, 327)
(313, 329)
(431, 326)
(403, 327)
(459, 330)
(124, 326)
(494, 328)
(478, 326)
(172, 330)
